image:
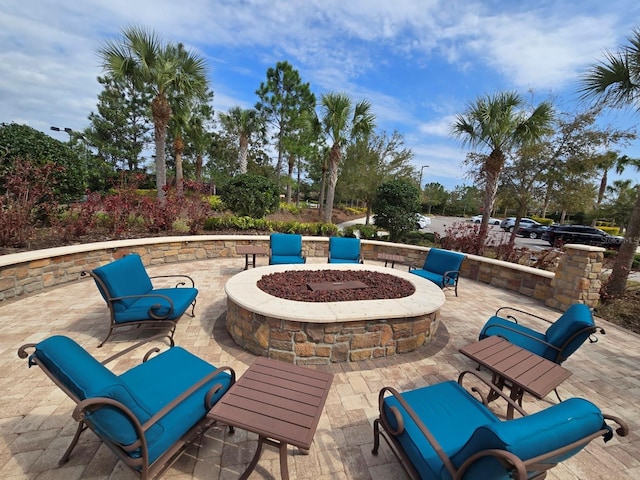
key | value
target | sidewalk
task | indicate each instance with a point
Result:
(35, 417)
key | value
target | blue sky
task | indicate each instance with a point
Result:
(419, 62)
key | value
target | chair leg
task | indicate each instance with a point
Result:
(557, 394)
(193, 307)
(107, 337)
(81, 428)
(376, 436)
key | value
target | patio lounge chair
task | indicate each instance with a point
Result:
(561, 339)
(285, 248)
(442, 431)
(442, 267)
(147, 415)
(344, 250)
(133, 301)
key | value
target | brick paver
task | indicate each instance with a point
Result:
(36, 426)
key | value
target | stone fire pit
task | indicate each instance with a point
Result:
(323, 332)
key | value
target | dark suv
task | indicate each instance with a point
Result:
(558, 235)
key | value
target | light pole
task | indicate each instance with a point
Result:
(67, 130)
(421, 170)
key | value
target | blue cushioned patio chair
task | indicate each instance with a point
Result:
(344, 250)
(285, 248)
(134, 302)
(443, 432)
(442, 267)
(147, 415)
(561, 338)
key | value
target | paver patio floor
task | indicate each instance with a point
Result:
(35, 416)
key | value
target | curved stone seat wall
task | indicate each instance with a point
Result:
(29, 272)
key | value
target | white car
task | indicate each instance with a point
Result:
(492, 221)
(422, 221)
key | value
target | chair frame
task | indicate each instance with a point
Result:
(447, 275)
(155, 321)
(140, 465)
(517, 466)
(560, 357)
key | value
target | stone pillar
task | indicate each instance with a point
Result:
(577, 278)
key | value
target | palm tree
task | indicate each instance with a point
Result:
(615, 81)
(244, 123)
(499, 123)
(341, 122)
(167, 69)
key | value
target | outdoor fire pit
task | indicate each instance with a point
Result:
(359, 326)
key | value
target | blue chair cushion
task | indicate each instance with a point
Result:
(518, 335)
(577, 317)
(139, 310)
(73, 366)
(344, 250)
(87, 378)
(449, 412)
(284, 259)
(126, 276)
(149, 381)
(144, 390)
(441, 261)
(286, 244)
(533, 435)
(436, 278)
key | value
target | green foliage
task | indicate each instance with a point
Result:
(216, 203)
(263, 225)
(369, 232)
(250, 195)
(543, 221)
(396, 203)
(610, 230)
(21, 142)
(290, 208)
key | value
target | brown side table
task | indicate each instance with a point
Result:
(390, 257)
(247, 250)
(280, 402)
(516, 367)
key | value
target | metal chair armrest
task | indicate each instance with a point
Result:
(193, 284)
(494, 388)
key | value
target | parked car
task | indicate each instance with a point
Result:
(508, 223)
(560, 234)
(532, 231)
(422, 221)
(492, 221)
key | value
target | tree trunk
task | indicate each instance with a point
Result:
(298, 186)
(178, 146)
(291, 164)
(603, 188)
(198, 168)
(161, 111)
(323, 180)
(334, 163)
(622, 264)
(242, 155)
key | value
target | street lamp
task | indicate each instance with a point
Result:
(421, 170)
(65, 129)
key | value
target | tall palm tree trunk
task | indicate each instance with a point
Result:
(244, 152)
(198, 167)
(622, 264)
(334, 162)
(161, 111)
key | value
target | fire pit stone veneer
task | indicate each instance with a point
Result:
(308, 333)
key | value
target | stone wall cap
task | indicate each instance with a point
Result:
(584, 248)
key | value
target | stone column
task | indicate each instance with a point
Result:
(577, 278)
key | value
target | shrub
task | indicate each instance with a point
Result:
(26, 190)
(396, 203)
(250, 195)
